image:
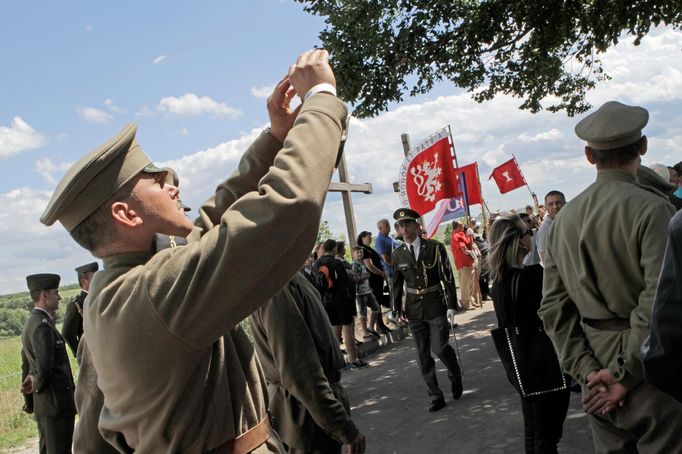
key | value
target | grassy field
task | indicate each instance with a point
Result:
(15, 425)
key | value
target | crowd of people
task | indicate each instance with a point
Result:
(165, 365)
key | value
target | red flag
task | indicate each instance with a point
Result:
(473, 186)
(428, 174)
(508, 176)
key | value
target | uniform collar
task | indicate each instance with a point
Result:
(416, 243)
(616, 175)
(43, 311)
(126, 259)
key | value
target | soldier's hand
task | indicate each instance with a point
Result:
(281, 115)
(357, 446)
(27, 386)
(311, 68)
(605, 393)
(451, 315)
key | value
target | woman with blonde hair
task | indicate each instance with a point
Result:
(517, 293)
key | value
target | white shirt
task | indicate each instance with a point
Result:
(416, 244)
(541, 240)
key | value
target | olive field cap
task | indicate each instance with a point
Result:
(96, 177)
(45, 281)
(88, 268)
(613, 125)
(405, 214)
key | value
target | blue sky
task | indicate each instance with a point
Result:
(194, 76)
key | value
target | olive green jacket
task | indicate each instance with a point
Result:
(302, 363)
(48, 362)
(604, 255)
(176, 371)
(432, 268)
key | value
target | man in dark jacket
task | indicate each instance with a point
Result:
(424, 268)
(49, 379)
(72, 330)
(662, 352)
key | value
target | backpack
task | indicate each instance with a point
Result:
(324, 280)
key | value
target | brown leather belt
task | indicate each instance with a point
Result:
(424, 291)
(248, 441)
(609, 324)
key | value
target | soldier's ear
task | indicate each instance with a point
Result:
(643, 145)
(589, 155)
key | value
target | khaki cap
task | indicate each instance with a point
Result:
(613, 125)
(96, 177)
(43, 281)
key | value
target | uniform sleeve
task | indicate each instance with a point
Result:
(398, 281)
(200, 290)
(70, 327)
(447, 277)
(627, 369)
(43, 348)
(298, 363)
(662, 356)
(252, 166)
(561, 320)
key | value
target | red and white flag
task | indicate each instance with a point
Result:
(428, 173)
(508, 176)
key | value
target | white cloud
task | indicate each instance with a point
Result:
(144, 111)
(17, 137)
(262, 92)
(46, 168)
(113, 107)
(93, 115)
(190, 104)
(89, 28)
(159, 59)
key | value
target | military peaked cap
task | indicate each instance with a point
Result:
(43, 281)
(96, 177)
(88, 268)
(405, 214)
(613, 125)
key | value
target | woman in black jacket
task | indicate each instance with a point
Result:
(510, 241)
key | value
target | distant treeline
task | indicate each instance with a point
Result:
(15, 308)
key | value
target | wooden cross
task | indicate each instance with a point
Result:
(346, 188)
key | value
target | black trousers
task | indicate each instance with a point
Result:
(543, 420)
(56, 434)
(433, 335)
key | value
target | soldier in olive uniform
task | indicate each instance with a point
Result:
(176, 371)
(49, 377)
(599, 286)
(422, 266)
(72, 329)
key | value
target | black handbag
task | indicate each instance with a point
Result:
(527, 354)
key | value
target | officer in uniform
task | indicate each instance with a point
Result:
(424, 268)
(49, 378)
(176, 371)
(72, 329)
(599, 286)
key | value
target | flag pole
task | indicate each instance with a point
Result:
(532, 194)
(483, 205)
(454, 153)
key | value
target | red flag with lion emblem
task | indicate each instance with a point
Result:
(428, 173)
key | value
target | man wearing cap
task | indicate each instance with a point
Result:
(423, 267)
(176, 373)
(72, 329)
(599, 285)
(49, 376)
